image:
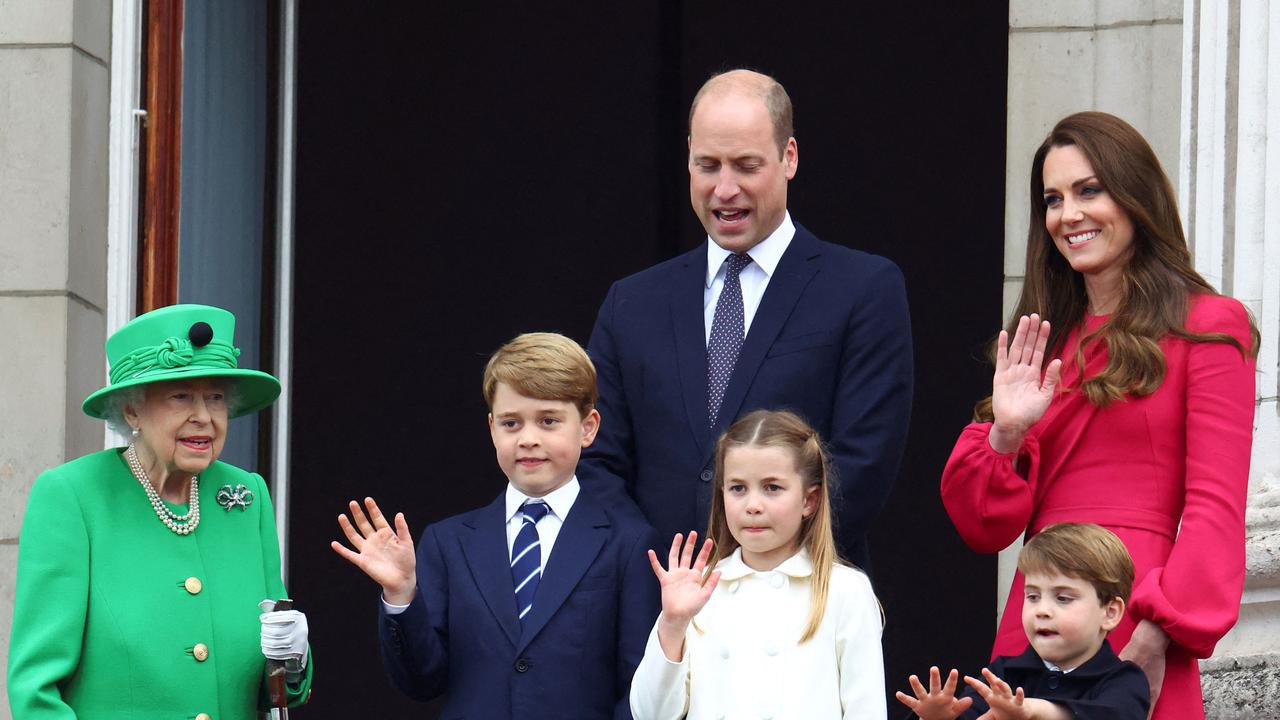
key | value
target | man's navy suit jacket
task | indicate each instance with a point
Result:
(831, 340)
(579, 645)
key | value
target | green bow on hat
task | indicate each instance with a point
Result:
(180, 342)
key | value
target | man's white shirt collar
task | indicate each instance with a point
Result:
(559, 501)
(766, 255)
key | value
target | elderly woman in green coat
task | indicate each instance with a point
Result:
(141, 569)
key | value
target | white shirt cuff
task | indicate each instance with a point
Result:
(392, 609)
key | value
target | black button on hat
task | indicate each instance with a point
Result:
(200, 334)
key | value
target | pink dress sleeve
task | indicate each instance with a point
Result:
(1195, 596)
(988, 500)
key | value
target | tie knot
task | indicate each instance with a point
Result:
(737, 261)
(534, 511)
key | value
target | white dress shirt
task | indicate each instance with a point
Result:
(559, 502)
(754, 278)
(741, 657)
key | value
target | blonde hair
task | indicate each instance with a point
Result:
(1083, 551)
(544, 366)
(786, 430)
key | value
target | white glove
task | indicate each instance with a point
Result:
(284, 637)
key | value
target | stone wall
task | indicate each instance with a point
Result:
(1231, 201)
(54, 82)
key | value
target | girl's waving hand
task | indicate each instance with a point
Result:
(684, 590)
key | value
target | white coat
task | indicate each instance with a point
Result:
(742, 659)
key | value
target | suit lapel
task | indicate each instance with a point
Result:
(796, 268)
(689, 322)
(485, 550)
(581, 536)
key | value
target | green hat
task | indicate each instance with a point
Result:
(176, 343)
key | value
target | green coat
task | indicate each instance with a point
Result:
(104, 622)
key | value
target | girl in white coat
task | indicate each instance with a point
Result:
(779, 627)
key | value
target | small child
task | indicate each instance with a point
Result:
(780, 628)
(537, 605)
(1078, 578)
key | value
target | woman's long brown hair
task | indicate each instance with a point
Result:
(1157, 279)
(785, 430)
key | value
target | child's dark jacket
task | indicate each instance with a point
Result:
(1103, 688)
(575, 653)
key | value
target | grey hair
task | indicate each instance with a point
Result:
(115, 403)
(136, 396)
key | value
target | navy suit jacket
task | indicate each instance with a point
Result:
(579, 645)
(831, 340)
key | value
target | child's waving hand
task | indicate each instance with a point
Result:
(684, 591)
(384, 553)
(939, 702)
(1008, 704)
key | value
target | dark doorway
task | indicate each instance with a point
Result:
(466, 173)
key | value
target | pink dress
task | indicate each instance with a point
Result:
(1167, 473)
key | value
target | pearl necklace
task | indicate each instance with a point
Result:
(180, 524)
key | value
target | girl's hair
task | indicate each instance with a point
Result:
(785, 430)
(1157, 278)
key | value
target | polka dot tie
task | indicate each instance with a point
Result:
(726, 335)
(526, 557)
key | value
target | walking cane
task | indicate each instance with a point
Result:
(277, 693)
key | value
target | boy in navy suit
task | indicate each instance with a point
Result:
(539, 604)
(1077, 579)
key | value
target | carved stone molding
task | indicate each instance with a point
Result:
(1262, 533)
(1241, 688)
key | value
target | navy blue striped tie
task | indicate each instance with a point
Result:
(526, 557)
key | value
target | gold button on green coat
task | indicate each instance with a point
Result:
(193, 585)
(101, 628)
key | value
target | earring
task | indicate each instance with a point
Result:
(137, 432)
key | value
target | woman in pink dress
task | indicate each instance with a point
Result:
(1142, 419)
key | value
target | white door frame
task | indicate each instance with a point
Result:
(280, 433)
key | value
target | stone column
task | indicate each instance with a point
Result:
(1230, 196)
(1071, 55)
(54, 83)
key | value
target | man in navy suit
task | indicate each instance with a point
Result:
(763, 315)
(538, 605)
